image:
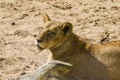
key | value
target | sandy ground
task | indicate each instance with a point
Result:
(94, 20)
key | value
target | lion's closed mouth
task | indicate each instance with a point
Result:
(39, 47)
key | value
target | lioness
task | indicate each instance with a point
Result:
(94, 62)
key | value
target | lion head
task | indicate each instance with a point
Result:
(53, 33)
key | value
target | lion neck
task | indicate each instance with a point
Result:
(69, 47)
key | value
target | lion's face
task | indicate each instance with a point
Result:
(53, 34)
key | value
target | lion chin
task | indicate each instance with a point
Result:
(37, 47)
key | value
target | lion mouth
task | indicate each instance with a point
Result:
(39, 47)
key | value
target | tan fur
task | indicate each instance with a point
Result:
(90, 62)
(109, 55)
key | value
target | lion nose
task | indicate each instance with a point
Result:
(40, 40)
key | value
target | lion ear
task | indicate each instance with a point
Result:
(66, 27)
(45, 18)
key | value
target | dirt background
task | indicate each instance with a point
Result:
(96, 21)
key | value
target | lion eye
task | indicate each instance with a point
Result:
(52, 34)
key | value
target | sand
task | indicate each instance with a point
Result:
(97, 21)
